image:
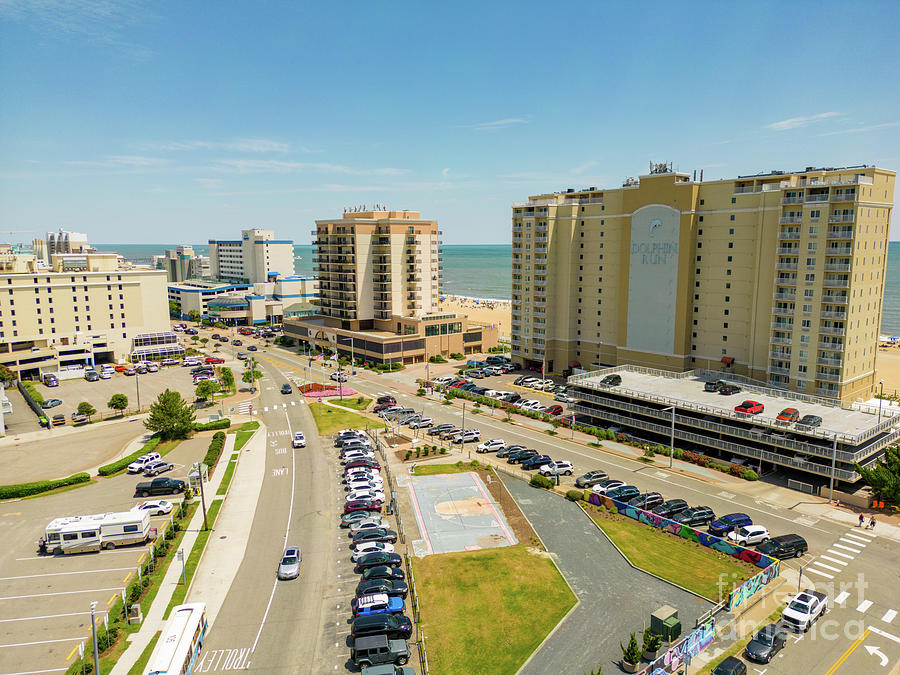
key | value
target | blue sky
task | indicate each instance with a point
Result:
(141, 122)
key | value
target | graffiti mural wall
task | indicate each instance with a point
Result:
(749, 588)
(684, 651)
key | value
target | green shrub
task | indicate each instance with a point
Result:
(649, 452)
(215, 449)
(420, 391)
(223, 423)
(33, 392)
(437, 358)
(39, 486)
(678, 454)
(750, 474)
(115, 467)
(443, 451)
(408, 455)
(537, 480)
(456, 356)
(574, 495)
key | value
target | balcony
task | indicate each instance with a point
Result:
(816, 198)
(837, 267)
(786, 266)
(826, 391)
(832, 330)
(839, 250)
(841, 218)
(783, 356)
(785, 281)
(835, 299)
(836, 283)
(792, 200)
(540, 303)
(780, 341)
(788, 235)
(783, 311)
(791, 297)
(843, 233)
(843, 197)
(823, 361)
(831, 346)
(790, 220)
(746, 189)
(778, 370)
(828, 377)
(788, 250)
(778, 325)
(833, 315)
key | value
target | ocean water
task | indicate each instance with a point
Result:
(486, 271)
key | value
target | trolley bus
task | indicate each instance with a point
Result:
(181, 641)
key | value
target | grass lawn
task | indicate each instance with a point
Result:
(686, 563)
(246, 426)
(194, 558)
(458, 467)
(241, 439)
(141, 663)
(229, 472)
(487, 611)
(329, 420)
(354, 403)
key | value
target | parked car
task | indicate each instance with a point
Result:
(58, 420)
(251, 348)
(721, 526)
(591, 478)
(362, 464)
(521, 456)
(370, 547)
(695, 516)
(564, 398)
(378, 559)
(362, 505)
(784, 546)
(508, 450)
(669, 508)
(368, 495)
(299, 440)
(766, 643)
(467, 436)
(557, 468)
(810, 421)
(378, 649)
(623, 493)
(142, 462)
(289, 566)
(749, 535)
(749, 407)
(554, 410)
(155, 507)
(535, 462)
(421, 423)
(396, 587)
(381, 624)
(354, 517)
(50, 403)
(730, 665)
(211, 359)
(609, 484)
(378, 534)
(158, 467)
(160, 486)
(378, 603)
(647, 501)
(788, 416)
(613, 380)
(729, 389)
(383, 572)
(492, 445)
(713, 385)
(91, 376)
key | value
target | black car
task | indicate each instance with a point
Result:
(508, 450)
(647, 501)
(612, 380)
(766, 643)
(378, 559)
(810, 421)
(669, 508)
(511, 398)
(729, 389)
(384, 572)
(730, 666)
(536, 462)
(695, 516)
(377, 534)
(237, 343)
(396, 587)
(784, 546)
(386, 399)
(521, 456)
(624, 493)
(591, 478)
(394, 627)
(251, 348)
(285, 388)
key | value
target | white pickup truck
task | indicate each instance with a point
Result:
(804, 609)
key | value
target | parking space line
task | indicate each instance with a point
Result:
(103, 553)
(42, 642)
(72, 653)
(127, 577)
(47, 595)
(59, 574)
(46, 616)
(111, 598)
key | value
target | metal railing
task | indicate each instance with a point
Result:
(841, 218)
(788, 235)
(820, 197)
(790, 220)
(843, 196)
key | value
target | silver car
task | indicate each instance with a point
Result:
(289, 567)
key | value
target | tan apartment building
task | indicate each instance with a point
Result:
(777, 277)
(379, 291)
(82, 309)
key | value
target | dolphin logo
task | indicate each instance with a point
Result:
(656, 222)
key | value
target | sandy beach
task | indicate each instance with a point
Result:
(887, 367)
(482, 311)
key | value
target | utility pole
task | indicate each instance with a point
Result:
(202, 495)
(94, 635)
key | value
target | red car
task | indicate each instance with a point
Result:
(554, 410)
(457, 385)
(245, 331)
(788, 416)
(121, 368)
(749, 408)
(214, 359)
(362, 464)
(361, 505)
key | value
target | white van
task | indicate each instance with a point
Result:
(142, 462)
(80, 534)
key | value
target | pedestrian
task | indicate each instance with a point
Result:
(862, 519)
(872, 523)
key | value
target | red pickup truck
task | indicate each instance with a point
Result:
(749, 407)
(214, 359)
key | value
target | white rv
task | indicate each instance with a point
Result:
(80, 534)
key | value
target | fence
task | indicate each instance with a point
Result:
(801, 486)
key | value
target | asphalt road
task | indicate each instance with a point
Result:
(876, 562)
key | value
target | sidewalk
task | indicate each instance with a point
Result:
(154, 621)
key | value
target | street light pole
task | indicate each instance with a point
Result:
(137, 384)
(202, 495)
(94, 636)
(672, 436)
(880, 399)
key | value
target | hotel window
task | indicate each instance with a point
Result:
(810, 278)
(805, 323)
(812, 246)
(810, 262)
(807, 309)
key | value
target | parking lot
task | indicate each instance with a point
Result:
(45, 600)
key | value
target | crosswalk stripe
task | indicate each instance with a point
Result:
(889, 616)
(851, 541)
(840, 598)
(856, 537)
(293, 402)
(265, 410)
(863, 533)
(864, 605)
(847, 548)
(843, 555)
(834, 560)
(827, 567)
(822, 574)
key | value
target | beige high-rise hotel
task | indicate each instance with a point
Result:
(777, 276)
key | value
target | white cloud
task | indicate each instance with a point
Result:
(797, 122)
(209, 182)
(281, 166)
(234, 145)
(445, 172)
(496, 125)
(859, 130)
(128, 161)
(584, 166)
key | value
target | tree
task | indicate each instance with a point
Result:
(174, 309)
(170, 416)
(251, 375)
(194, 315)
(884, 477)
(206, 389)
(204, 340)
(6, 376)
(226, 377)
(86, 409)
(118, 402)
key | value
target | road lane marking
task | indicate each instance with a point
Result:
(843, 555)
(864, 605)
(839, 600)
(828, 567)
(855, 536)
(885, 635)
(864, 533)
(889, 615)
(851, 541)
(846, 654)
(847, 548)
(59, 574)
(47, 595)
(815, 571)
(834, 560)
(48, 616)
